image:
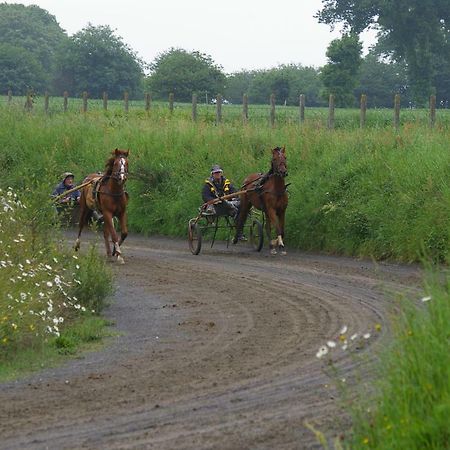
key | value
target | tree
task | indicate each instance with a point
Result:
(183, 73)
(340, 74)
(95, 60)
(381, 80)
(20, 70)
(28, 33)
(238, 84)
(416, 31)
(287, 82)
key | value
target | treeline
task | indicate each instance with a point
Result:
(37, 55)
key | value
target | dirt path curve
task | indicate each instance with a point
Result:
(215, 351)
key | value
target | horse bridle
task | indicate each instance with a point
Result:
(122, 173)
(275, 170)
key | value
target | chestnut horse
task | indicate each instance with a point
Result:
(267, 192)
(106, 193)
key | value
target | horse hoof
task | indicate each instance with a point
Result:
(283, 251)
(120, 260)
(273, 252)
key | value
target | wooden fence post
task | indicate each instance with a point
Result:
(46, 102)
(362, 114)
(65, 101)
(302, 107)
(272, 110)
(194, 107)
(105, 100)
(85, 101)
(218, 109)
(126, 101)
(29, 101)
(148, 101)
(171, 103)
(9, 96)
(245, 109)
(331, 112)
(397, 111)
(432, 110)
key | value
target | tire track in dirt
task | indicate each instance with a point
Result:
(214, 351)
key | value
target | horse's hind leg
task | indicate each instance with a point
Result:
(123, 227)
(107, 226)
(242, 217)
(84, 217)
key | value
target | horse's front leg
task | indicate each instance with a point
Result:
(271, 220)
(280, 231)
(115, 241)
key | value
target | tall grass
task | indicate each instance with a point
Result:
(370, 192)
(412, 406)
(45, 288)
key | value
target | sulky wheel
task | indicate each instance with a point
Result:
(194, 238)
(256, 235)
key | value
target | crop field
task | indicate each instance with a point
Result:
(233, 113)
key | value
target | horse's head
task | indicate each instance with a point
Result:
(120, 165)
(279, 166)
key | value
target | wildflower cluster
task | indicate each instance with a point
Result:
(345, 340)
(37, 283)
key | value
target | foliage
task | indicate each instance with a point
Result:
(28, 32)
(380, 81)
(95, 60)
(412, 404)
(415, 31)
(183, 73)
(372, 192)
(340, 74)
(44, 288)
(287, 82)
(20, 70)
(238, 84)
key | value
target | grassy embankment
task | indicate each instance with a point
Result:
(374, 193)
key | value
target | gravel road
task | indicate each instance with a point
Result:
(216, 351)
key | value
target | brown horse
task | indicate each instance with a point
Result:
(106, 194)
(267, 192)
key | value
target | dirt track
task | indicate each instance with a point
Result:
(215, 351)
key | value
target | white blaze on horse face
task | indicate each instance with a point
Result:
(122, 170)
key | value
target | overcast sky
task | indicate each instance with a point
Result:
(237, 34)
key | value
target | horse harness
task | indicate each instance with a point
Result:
(259, 189)
(94, 195)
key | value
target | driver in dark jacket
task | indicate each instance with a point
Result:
(217, 186)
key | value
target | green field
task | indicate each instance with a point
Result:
(232, 114)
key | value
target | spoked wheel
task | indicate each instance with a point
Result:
(256, 235)
(194, 238)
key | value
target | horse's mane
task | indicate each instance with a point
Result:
(109, 165)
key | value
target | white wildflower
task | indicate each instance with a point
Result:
(322, 351)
